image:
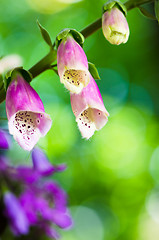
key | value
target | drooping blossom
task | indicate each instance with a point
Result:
(4, 140)
(72, 65)
(115, 27)
(89, 109)
(27, 119)
(39, 203)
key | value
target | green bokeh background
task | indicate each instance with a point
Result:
(112, 180)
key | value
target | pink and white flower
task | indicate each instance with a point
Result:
(27, 119)
(89, 109)
(72, 65)
(115, 27)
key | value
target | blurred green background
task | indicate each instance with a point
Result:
(112, 180)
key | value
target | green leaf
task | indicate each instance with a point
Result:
(45, 35)
(111, 3)
(77, 36)
(64, 33)
(157, 9)
(93, 71)
(146, 13)
(2, 90)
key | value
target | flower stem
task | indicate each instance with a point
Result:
(133, 4)
(93, 27)
(45, 63)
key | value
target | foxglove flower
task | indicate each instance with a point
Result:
(4, 140)
(72, 65)
(89, 109)
(115, 27)
(27, 119)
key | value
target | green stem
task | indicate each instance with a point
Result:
(93, 27)
(45, 63)
(133, 4)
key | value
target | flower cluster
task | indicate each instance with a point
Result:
(27, 119)
(32, 200)
(86, 100)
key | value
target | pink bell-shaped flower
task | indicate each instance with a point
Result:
(72, 65)
(89, 109)
(27, 119)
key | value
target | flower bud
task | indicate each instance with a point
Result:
(72, 65)
(115, 27)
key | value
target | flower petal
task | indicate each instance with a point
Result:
(21, 96)
(72, 65)
(4, 140)
(16, 215)
(41, 163)
(27, 127)
(63, 220)
(25, 111)
(89, 109)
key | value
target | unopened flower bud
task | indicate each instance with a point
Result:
(114, 25)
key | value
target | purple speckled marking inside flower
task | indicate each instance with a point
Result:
(89, 109)
(27, 118)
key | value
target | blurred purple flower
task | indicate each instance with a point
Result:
(3, 164)
(27, 119)
(4, 140)
(42, 164)
(41, 206)
(15, 213)
(41, 203)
